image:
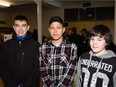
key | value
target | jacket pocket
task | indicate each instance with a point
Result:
(64, 60)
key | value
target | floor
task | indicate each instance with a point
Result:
(2, 84)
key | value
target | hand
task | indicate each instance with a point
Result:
(18, 86)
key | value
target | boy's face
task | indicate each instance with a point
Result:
(56, 30)
(21, 27)
(98, 45)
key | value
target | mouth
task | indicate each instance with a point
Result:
(55, 35)
(94, 47)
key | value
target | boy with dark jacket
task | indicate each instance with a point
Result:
(19, 57)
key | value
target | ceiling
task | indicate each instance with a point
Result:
(22, 2)
(16, 2)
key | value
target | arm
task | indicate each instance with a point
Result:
(68, 77)
(4, 73)
(114, 80)
(44, 73)
(78, 75)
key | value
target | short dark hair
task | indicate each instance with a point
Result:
(102, 31)
(21, 17)
(56, 19)
(84, 29)
(74, 29)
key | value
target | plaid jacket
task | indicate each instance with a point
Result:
(58, 64)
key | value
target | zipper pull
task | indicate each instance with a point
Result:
(22, 58)
(19, 43)
(22, 53)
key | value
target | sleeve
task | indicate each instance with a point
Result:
(68, 77)
(114, 80)
(34, 75)
(47, 82)
(78, 74)
(4, 73)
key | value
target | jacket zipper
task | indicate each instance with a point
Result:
(22, 58)
(22, 54)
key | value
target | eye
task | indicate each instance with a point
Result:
(59, 28)
(100, 39)
(91, 38)
(51, 28)
(24, 25)
(16, 25)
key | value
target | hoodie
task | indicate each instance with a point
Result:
(96, 71)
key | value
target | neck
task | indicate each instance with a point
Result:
(21, 38)
(101, 53)
(57, 42)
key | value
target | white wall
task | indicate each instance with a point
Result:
(47, 13)
(28, 10)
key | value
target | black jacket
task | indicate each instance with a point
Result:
(19, 62)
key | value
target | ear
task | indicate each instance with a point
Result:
(13, 27)
(63, 29)
(49, 29)
(28, 27)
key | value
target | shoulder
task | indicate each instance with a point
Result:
(69, 45)
(84, 55)
(66, 42)
(34, 42)
(8, 42)
(45, 45)
(48, 43)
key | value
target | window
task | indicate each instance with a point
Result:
(71, 14)
(104, 13)
(87, 14)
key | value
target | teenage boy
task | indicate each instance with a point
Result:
(19, 57)
(97, 68)
(58, 57)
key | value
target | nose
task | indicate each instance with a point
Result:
(55, 30)
(20, 27)
(94, 41)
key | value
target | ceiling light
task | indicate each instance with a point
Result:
(4, 4)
